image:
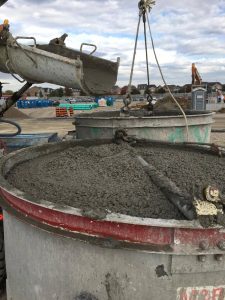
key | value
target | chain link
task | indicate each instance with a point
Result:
(144, 6)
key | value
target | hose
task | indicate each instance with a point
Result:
(222, 130)
(7, 135)
(163, 78)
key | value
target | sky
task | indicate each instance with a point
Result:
(184, 32)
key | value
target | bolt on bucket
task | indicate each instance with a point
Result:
(85, 219)
(166, 126)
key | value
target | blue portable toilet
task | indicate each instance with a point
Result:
(109, 101)
(18, 104)
(32, 103)
(26, 104)
(97, 99)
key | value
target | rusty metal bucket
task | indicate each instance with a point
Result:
(54, 252)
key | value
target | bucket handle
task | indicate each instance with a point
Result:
(87, 44)
(27, 38)
(13, 75)
(35, 45)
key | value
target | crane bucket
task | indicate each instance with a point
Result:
(100, 75)
(58, 65)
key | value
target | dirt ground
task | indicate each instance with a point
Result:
(62, 126)
(43, 120)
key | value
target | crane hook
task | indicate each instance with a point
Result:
(145, 5)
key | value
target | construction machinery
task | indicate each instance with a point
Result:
(196, 77)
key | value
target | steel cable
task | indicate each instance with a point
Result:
(163, 78)
(134, 56)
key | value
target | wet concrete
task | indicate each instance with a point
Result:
(109, 178)
(85, 296)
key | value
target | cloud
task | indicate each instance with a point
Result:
(184, 32)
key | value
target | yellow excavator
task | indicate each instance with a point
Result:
(196, 77)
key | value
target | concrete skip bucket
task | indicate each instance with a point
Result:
(57, 64)
(59, 251)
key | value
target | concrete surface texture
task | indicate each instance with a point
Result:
(113, 178)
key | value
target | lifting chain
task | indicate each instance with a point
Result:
(145, 7)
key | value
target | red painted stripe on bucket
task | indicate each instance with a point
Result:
(120, 231)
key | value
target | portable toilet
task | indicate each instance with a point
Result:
(199, 98)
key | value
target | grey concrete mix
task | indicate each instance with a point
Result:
(109, 178)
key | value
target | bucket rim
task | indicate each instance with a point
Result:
(19, 156)
(100, 116)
